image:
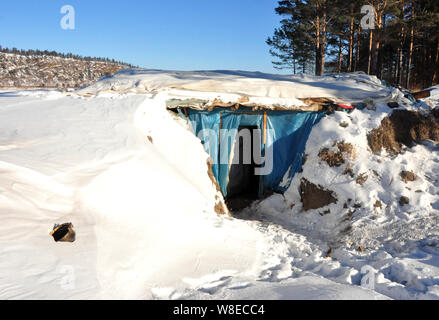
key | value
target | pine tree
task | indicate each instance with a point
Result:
(402, 49)
(305, 23)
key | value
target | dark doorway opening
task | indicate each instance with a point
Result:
(243, 186)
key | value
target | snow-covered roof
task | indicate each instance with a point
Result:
(204, 89)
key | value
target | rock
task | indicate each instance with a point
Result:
(407, 176)
(403, 201)
(378, 204)
(329, 253)
(370, 105)
(393, 105)
(362, 178)
(346, 230)
(63, 233)
(348, 171)
(305, 159)
(315, 197)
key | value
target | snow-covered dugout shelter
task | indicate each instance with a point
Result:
(255, 148)
(282, 109)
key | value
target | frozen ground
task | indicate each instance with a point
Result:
(134, 183)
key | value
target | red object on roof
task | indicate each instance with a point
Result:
(344, 106)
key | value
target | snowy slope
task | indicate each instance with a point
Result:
(134, 183)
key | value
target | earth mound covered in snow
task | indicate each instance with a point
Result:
(230, 86)
(134, 181)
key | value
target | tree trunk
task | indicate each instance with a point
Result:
(380, 52)
(340, 54)
(357, 51)
(412, 40)
(377, 44)
(399, 67)
(351, 42)
(318, 59)
(425, 73)
(431, 63)
(369, 62)
(323, 44)
(436, 64)
(399, 64)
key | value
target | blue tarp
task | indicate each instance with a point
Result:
(286, 136)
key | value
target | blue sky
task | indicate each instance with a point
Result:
(170, 34)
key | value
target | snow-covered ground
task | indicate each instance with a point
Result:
(433, 100)
(134, 183)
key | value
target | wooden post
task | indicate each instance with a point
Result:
(220, 126)
(265, 128)
(264, 142)
(219, 139)
(187, 117)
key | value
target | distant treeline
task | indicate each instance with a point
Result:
(318, 36)
(48, 53)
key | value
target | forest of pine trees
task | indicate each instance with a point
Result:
(47, 53)
(321, 36)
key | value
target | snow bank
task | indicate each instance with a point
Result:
(142, 219)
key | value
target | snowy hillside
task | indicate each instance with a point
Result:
(51, 72)
(134, 181)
